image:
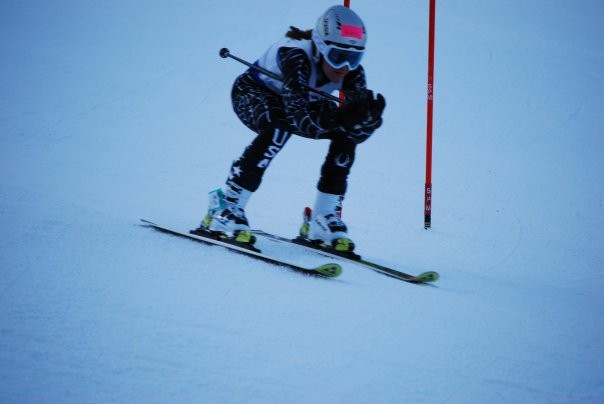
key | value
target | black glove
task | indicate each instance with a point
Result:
(361, 115)
(377, 108)
(361, 110)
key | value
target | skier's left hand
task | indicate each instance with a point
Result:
(363, 114)
(362, 107)
(376, 108)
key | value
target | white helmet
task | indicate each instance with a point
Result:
(340, 36)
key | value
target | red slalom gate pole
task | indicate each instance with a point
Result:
(429, 119)
(347, 5)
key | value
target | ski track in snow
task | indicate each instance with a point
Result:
(116, 111)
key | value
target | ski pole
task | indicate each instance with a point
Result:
(225, 53)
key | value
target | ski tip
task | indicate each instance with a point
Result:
(426, 277)
(329, 270)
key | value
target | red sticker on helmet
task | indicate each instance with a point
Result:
(352, 31)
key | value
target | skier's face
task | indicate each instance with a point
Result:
(334, 75)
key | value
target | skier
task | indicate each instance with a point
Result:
(327, 58)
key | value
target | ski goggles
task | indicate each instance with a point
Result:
(339, 56)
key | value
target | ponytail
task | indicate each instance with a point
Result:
(297, 33)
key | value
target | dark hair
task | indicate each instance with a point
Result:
(297, 33)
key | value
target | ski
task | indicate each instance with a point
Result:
(330, 270)
(424, 277)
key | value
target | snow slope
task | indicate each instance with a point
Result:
(116, 110)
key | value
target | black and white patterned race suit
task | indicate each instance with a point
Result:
(275, 110)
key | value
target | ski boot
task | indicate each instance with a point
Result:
(226, 219)
(324, 227)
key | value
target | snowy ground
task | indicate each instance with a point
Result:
(116, 110)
